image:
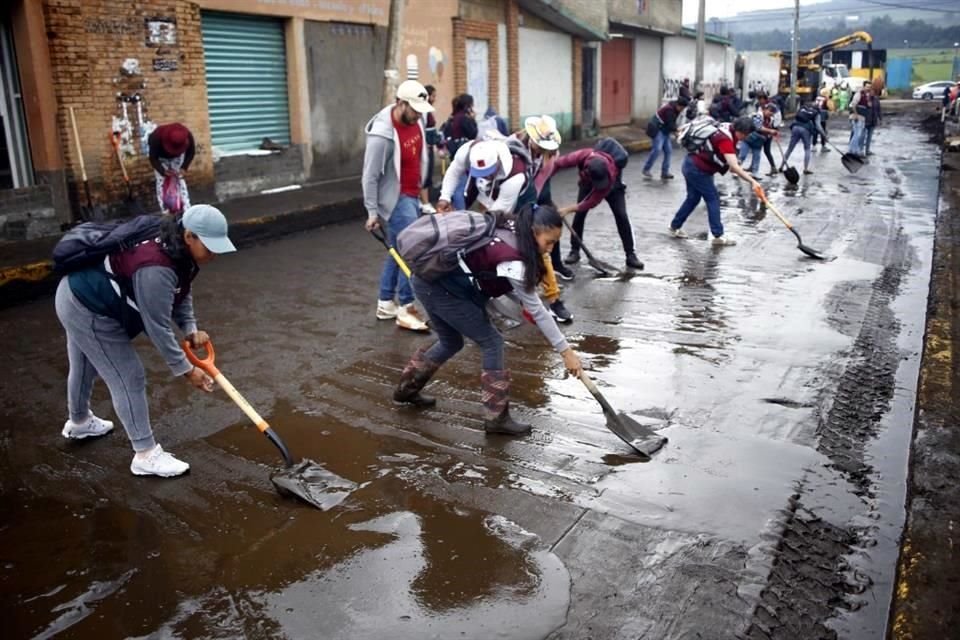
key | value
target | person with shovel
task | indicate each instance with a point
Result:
(601, 178)
(146, 288)
(511, 264)
(171, 151)
(715, 153)
(394, 164)
(805, 123)
(759, 140)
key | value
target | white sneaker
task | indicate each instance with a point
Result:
(92, 427)
(158, 463)
(427, 208)
(409, 318)
(724, 241)
(678, 233)
(386, 309)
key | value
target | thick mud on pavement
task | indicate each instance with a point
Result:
(786, 387)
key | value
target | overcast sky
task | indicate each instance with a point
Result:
(723, 8)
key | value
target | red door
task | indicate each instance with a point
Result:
(616, 81)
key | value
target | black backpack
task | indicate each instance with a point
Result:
(806, 114)
(89, 243)
(613, 149)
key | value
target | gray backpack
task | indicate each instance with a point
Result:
(432, 245)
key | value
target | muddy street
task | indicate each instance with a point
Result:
(786, 387)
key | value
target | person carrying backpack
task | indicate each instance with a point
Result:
(104, 306)
(601, 178)
(665, 124)
(760, 139)
(493, 172)
(461, 128)
(712, 150)
(510, 263)
(806, 122)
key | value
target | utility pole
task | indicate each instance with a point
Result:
(793, 54)
(391, 67)
(701, 45)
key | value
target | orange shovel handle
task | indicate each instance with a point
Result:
(206, 364)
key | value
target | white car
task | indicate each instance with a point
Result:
(931, 90)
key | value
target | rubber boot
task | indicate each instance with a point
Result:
(496, 405)
(415, 376)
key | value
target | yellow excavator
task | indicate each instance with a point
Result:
(813, 73)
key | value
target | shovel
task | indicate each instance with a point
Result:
(393, 252)
(850, 162)
(644, 440)
(89, 212)
(813, 253)
(604, 268)
(306, 480)
(790, 173)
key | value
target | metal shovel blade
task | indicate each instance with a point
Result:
(313, 484)
(643, 440)
(851, 162)
(792, 175)
(813, 253)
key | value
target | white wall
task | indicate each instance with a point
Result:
(679, 62)
(760, 66)
(546, 75)
(647, 92)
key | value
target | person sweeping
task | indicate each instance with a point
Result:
(510, 264)
(143, 289)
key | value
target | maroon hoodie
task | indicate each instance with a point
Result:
(580, 159)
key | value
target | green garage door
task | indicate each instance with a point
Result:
(246, 64)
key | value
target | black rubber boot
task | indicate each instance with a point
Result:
(496, 406)
(414, 378)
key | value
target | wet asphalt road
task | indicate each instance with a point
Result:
(786, 387)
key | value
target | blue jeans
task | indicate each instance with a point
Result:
(868, 138)
(800, 134)
(857, 131)
(453, 317)
(660, 143)
(699, 185)
(392, 281)
(459, 201)
(754, 160)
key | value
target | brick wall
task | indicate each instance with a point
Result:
(463, 29)
(89, 41)
(513, 61)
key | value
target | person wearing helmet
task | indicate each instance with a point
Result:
(141, 289)
(394, 164)
(717, 155)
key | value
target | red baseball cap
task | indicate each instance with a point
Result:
(174, 138)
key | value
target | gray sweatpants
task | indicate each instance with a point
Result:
(98, 345)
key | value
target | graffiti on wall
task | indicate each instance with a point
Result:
(130, 125)
(435, 61)
(671, 88)
(161, 31)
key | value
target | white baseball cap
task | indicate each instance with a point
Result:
(414, 94)
(208, 224)
(487, 156)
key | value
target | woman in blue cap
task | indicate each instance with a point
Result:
(103, 308)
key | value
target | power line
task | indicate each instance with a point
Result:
(772, 15)
(911, 6)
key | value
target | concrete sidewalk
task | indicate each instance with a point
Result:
(26, 271)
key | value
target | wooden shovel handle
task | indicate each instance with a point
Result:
(76, 138)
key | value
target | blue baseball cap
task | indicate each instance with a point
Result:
(208, 224)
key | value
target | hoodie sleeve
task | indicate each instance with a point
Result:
(154, 288)
(456, 170)
(569, 160)
(374, 163)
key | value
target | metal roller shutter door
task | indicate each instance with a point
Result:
(246, 65)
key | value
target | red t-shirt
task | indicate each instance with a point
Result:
(707, 162)
(411, 146)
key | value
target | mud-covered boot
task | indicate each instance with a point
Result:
(496, 406)
(414, 378)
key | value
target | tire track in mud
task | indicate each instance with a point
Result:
(810, 579)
